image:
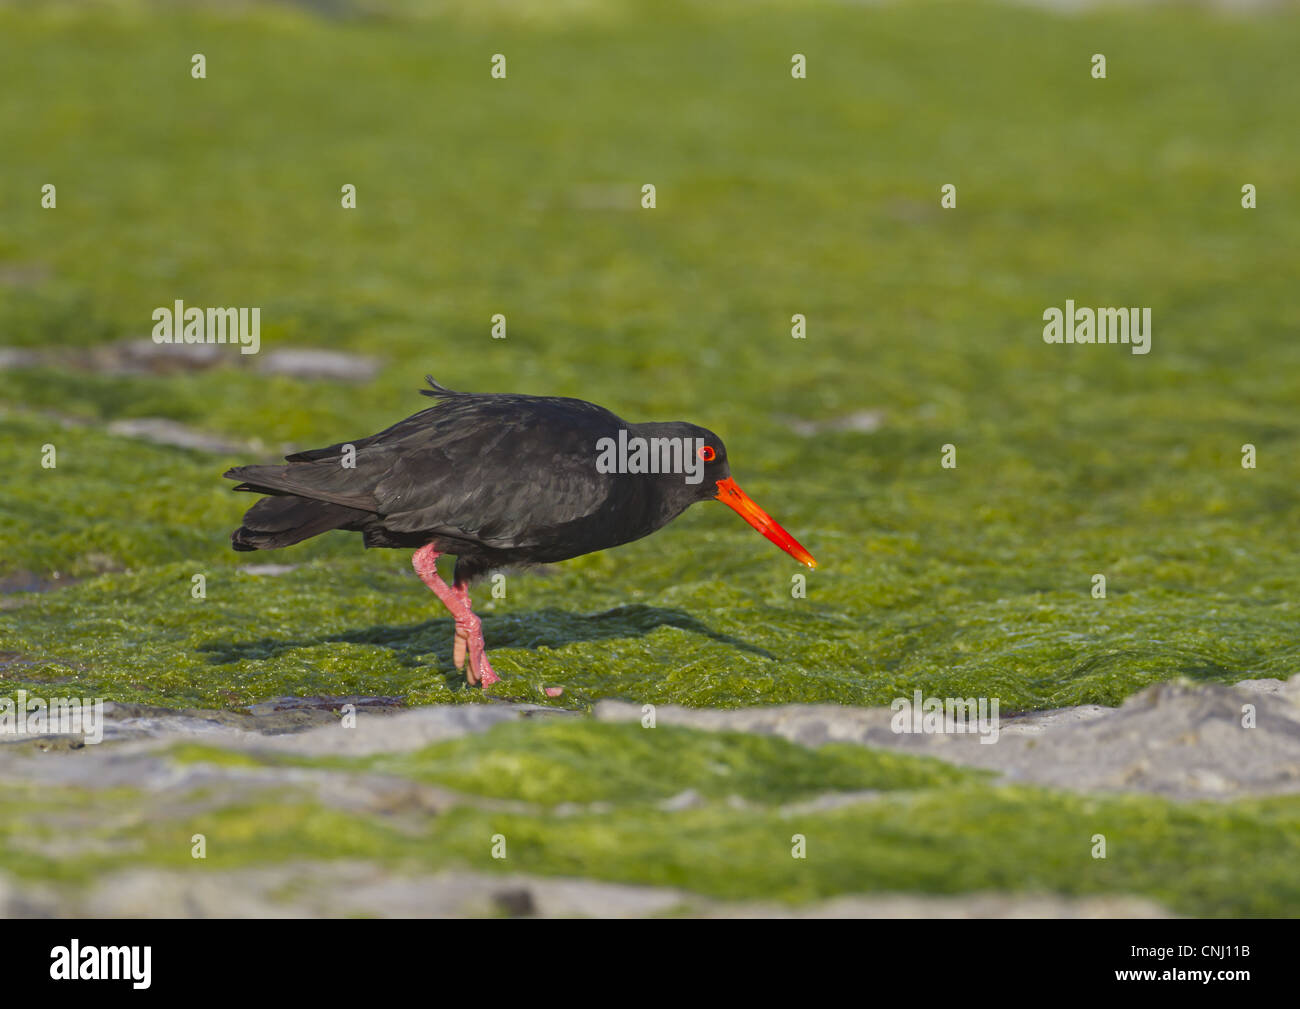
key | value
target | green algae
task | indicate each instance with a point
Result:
(579, 761)
(928, 829)
(775, 197)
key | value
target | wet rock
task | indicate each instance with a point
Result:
(1036, 722)
(408, 730)
(178, 788)
(1180, 740)
(809, 724)
(333, 705)
(139, 721)
(308, 725)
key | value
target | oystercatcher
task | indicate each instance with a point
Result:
(496, 479)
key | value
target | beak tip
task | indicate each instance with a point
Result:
(741, 503)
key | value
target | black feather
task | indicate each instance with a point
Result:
(495, 479)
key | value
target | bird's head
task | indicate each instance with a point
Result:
(708, 477)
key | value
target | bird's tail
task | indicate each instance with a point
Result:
(281, 521)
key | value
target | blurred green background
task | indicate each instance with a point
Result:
(775, 196)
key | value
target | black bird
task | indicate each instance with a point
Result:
(496, 479)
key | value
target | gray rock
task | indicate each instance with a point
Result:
(304, 362)
(162, 431)
(18, 357)
(347, 889)
(991, 905)
(311, 726)
(688, 799)
(828, 801)
(26, 581)
(1181, 740)
(410, 729)
(145, 357)
(24, 274)
(353, 888)
(859, 421)
(268, 570)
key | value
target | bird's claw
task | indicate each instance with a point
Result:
(459, 646)
(486, 674)
(469, 637)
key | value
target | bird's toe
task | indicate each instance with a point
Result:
(459, 648)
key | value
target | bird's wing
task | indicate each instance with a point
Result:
(403, 428)
(503, 471)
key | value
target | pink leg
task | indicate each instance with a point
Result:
(469, 629)
(473, 637)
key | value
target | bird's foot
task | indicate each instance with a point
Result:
(469, 629)
(469, 638)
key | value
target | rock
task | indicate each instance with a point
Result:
(334, 706)
(352, 888)
(992, 905)
(25, 581)
(304, 362)
(143, 722)
(24, 274)
(410, 729)
(162, 431)
(1181, 740)
(305, 725)
(145, 357)
(268, 570)
(829, 800)
(1033, 723)
(688, 799)
(860, 421)
(18, 357)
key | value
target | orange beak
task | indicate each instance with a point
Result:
(733, 497)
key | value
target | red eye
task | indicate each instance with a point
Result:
(706, 453)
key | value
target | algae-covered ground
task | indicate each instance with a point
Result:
(775, 197)
(696, 821)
